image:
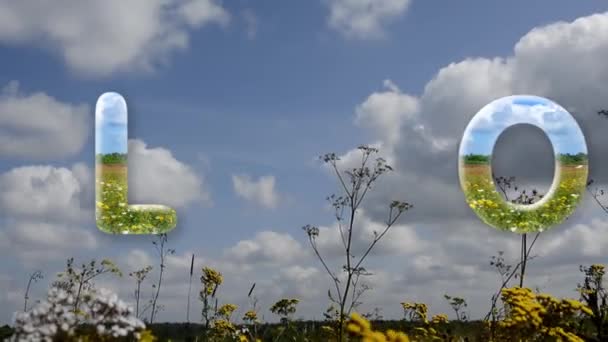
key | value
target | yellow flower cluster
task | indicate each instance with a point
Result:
(223, 328)
(113, 213)
(483, 203)
(147, 336)
(211, 279)
(360, 327)
(285, 306)
(244, 338)
(417, 311)
(597, 269)
(251, 316)
(439, 319)
(541, 315)
(225, 311)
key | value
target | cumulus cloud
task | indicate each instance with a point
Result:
(39, 126)
(383, 113)
(48, 211)
(301, 281)
(364, 19)
(138, 259)
(494, 118)
(399, 240)
(45, 211)
(98, 38)
(64, 194)
(40, 241)
(460, 89)
(35, 243)
(10, 296)
(425, 147)
(155, 176)
(273, 281)
(45, 192)
(424, 152)
(262, 192)
(267, 247)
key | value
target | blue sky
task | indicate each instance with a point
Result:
(561, 128)
(111, 123)
(237, 103)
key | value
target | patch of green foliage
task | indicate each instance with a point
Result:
(476, 159)
(5, 332)
(572, 159)
(112, 158)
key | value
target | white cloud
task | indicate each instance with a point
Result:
(44, 211)
(399, 240)
(41, 237)
(138, 259)
(10, 296)
(559, 126)
(48, 211)
(579, 241)
(156, 177)
(301, 282)
(383, 113)
(39, 126)
(45, 193)
(364, 19)
(458, 245)
(34, 242)
(111, 108)
(267, 247)
(425, 147)
(261, 192)
(272, 282)
(101, 37)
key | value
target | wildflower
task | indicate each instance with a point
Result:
(285, 307)
(440, 318)
(223, 328)
(54, 318)
(226, 311)
(211, 279)
(360, 327)
(251, 316)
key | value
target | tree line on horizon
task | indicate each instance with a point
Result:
(563, 158)
(112, 158)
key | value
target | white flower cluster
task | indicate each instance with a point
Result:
(47, 319)
(54, 318)
(111, 316)
(243, 332)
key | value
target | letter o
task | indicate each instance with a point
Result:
(475, 164)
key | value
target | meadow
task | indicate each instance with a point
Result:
(75, 310)
(114, 214)
(485, 199)
(525, 315)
